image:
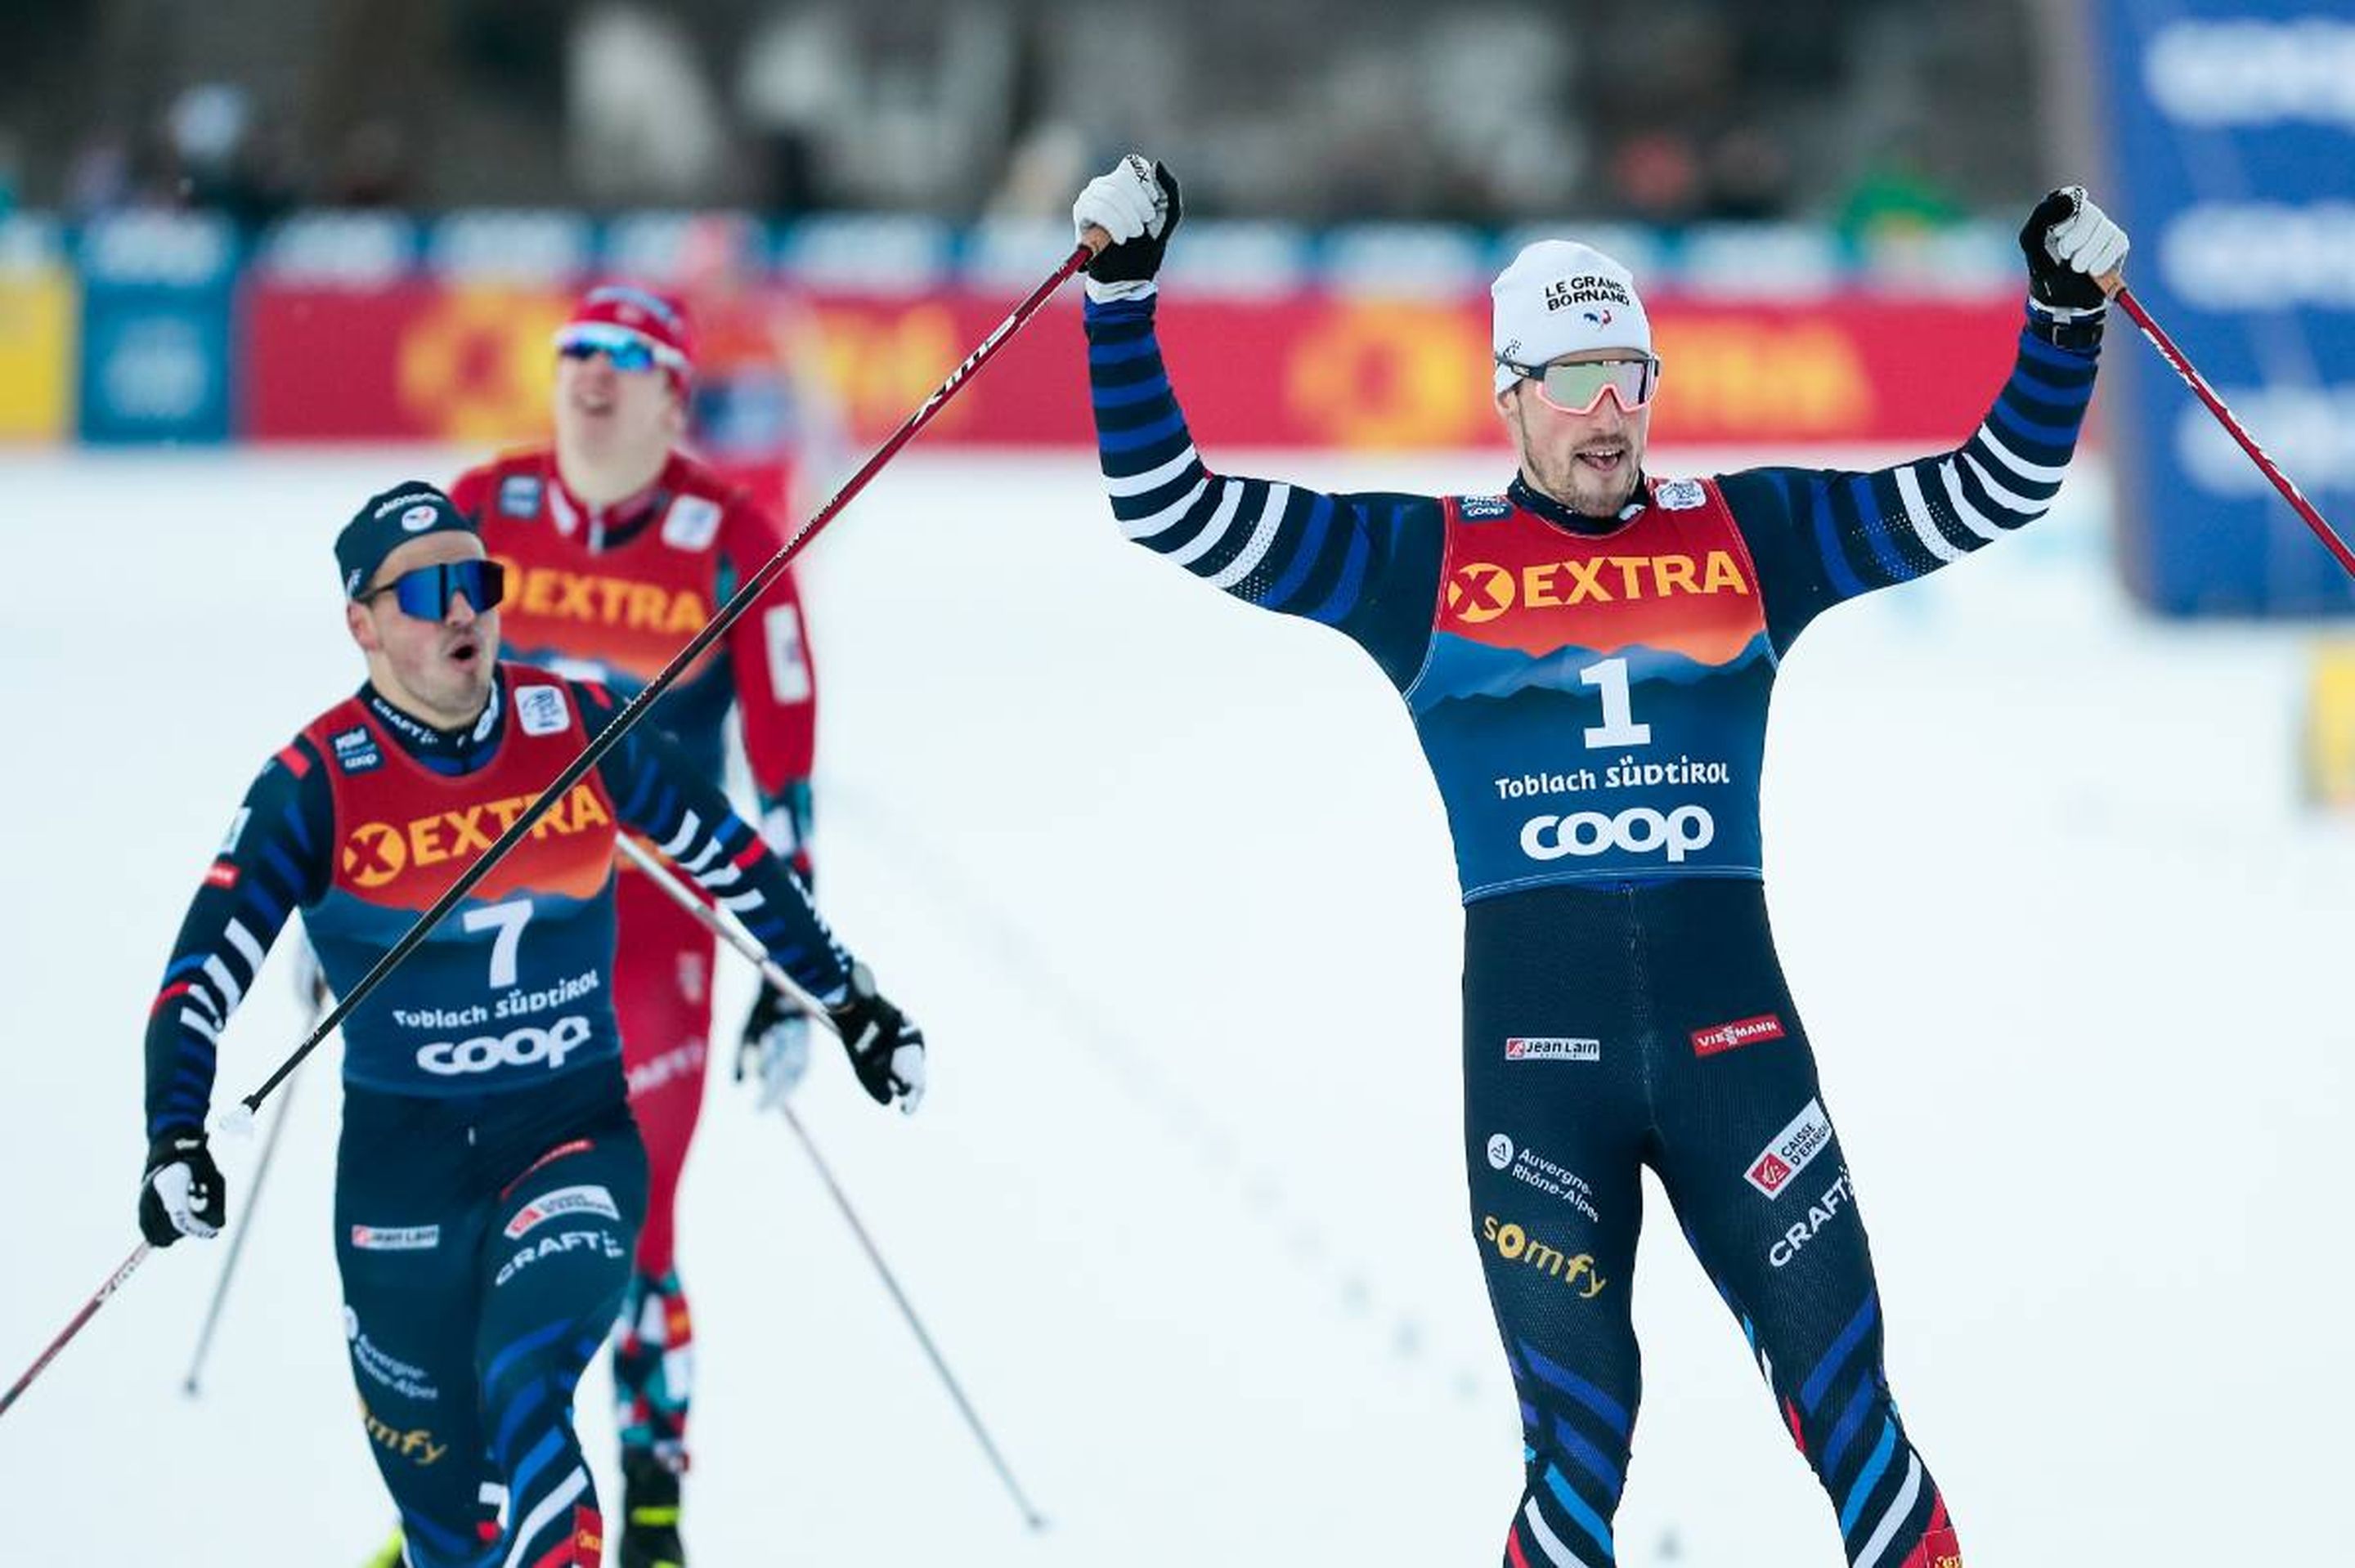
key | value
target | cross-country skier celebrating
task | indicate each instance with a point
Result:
(619, 546)
(490, 1181)
(1587, 659)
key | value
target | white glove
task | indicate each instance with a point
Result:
(2071, 244)
(778, 1056)
(1131, 201)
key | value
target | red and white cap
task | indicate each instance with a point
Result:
(615, 313)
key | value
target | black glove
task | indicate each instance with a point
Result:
(183, 1192)
(2070, 243)
(1138, 204)
(886, 1050)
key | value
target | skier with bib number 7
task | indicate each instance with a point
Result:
(490, 1180)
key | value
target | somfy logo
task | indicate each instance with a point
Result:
(524, 1047)
(1639, 830)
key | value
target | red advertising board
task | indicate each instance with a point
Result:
(425, 361)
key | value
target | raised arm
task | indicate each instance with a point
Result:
(1824, 536)
(1366, 563)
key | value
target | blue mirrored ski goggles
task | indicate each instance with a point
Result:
(627, 351)
(427, 592)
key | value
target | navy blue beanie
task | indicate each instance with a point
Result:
(387, 520)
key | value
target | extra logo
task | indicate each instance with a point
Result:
(1807, 1135)
(376, 852)
(1513, 1245)
(564, 1201)
(1479, 592)
(525, 1047)
(599, 600)
(1551, 1048)
(396, 1238)
(542, 710)
(1639, 830)
(1721, 1038)
(691, 524)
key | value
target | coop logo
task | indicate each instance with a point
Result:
(1639, 830)
(376, 852)
(1513, 1245)
(2254, 71)
(1732, 1036)
(2232, 255)
(598, 600)
(524, 1047)
(416, 1445)
(1809, 1134)
(1482, 590)
(584, 1200)
(1551, 1048)
(1836, 1200)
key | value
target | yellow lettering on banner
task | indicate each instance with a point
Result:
(37, 316)
(586, 812)
(1392, 373)
(476, 365)
(1537, 587)
(1724, 574)
(880, 364)
(1734, 376)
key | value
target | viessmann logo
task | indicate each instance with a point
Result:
(1482, 590)
(376, 852)
(1741, 1031)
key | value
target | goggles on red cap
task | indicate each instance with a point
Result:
(636, 329)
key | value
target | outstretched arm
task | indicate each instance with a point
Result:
(1824, 536)
(1367, 564)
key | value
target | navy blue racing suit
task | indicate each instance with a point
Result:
(1592, 694)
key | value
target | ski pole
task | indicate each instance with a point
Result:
(237, 1240)
(241, 1118)
(727, 931)
(2183, 367)
(648, 695)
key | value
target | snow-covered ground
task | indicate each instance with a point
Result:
(1166, 881)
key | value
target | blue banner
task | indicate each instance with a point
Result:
(2231, 131)
(158, 293)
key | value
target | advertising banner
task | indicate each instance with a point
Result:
(2230, 126)
(158, 291)
(425, 360)
(36, 344)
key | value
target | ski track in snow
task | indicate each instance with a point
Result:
(1165, 880)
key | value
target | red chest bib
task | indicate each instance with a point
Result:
(622, 610)
(403, 834)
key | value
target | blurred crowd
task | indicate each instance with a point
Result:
(1662, 111)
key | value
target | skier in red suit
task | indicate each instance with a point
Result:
(618, 547)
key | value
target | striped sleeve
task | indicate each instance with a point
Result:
(1367, 564)
(662, 797)
(272, 859)
(1822, 536)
